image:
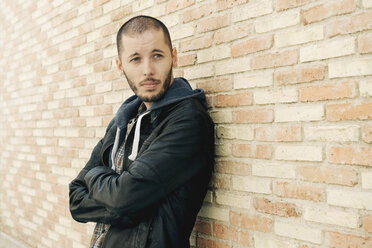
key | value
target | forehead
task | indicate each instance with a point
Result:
(143, 42)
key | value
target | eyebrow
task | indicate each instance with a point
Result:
(153, 51)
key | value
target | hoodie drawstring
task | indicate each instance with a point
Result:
(137, 137)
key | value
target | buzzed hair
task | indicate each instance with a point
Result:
(138, 25)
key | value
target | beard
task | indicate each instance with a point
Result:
(151, 98)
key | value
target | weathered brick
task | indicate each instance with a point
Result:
(232, 167)
(196, 43)
(367, 134)
(256, 223)
(299, 75)
(342, 240)
(332, 133)
(355, 23)
(299, 153)
(230, 100)
(297, 231)
(331, 8)
(278, 134)
(225, 232)
(327, 92)
(365, 44)
(286, 113)
(233, 200)
(342, 176)
(254, 116)
(212, 23)
(197, 12)
(365, 88)
(253, 8)
(252, 151)
(278, 21)
(367, 3)
(329, 49)
(251, 46)
(282, 209)
(349, 199)
(243, 132)
(203, 226)
(367, 223)
(278, 59)
(216, 85)
(233, 32)
(252, 80)
(214, 53)
(215, 213)
(175, 5)
(265, 96)
(349, 111)
(233, 66)
(200, 71)
(225, 4)
(181, 32)
(273, 170)
(350, 68)
(220, 181)
(350, 155)
(251, 184)
(288, 4)
(313, 33)
(299, 191)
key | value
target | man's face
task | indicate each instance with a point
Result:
(146, 61)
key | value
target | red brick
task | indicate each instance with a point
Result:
(252, 151)
(279, 134)
(203, 227)
(186, 60)
(365, 44)
(349, 111)
(216, 85)
(327, 92)
(356, 23)
(254, 116)
(288, 4)
(197, 12)
(367, 134)
(251, 46)
(351, 155)
(342, 176)
(212, 23)
(278, 59)
(299, 191)
(343, 240)
(257, 223)
(196, 43)
(299, 75)
(225, 232)
(232, 100)
(175, 5)
(282, 209)
(233, 32)
(323, 11)
(232, 167)
(207, 243)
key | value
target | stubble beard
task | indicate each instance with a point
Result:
(151, 98)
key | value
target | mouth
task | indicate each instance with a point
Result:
(150, 84)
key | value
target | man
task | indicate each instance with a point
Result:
(146, 179)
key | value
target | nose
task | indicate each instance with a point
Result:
(148, 69)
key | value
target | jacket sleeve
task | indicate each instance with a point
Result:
(173, 158)
(82, 207)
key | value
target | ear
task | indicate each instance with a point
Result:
(119, 66)
(175, 59)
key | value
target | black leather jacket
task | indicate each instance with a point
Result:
(155, 201)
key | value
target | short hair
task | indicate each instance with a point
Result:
(140, 24)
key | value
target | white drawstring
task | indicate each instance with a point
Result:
(137, 137)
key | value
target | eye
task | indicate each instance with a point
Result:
(158, 56)
(135, 59)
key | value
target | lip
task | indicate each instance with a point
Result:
(149, 84)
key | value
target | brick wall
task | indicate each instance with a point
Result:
(289, 84)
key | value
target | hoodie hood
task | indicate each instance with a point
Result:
(178, 91)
